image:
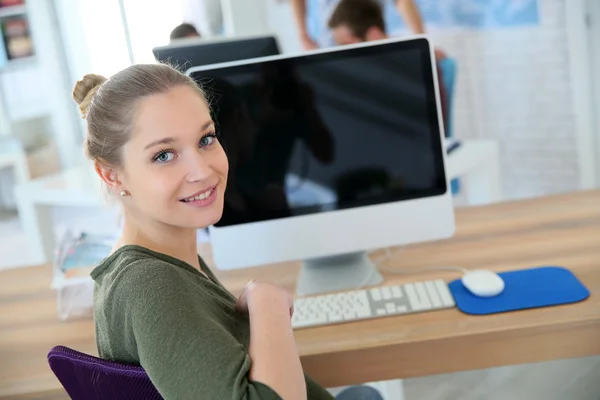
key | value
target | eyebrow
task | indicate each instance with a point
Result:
(171, 140)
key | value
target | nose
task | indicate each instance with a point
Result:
(198, 168)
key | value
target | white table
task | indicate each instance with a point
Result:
(475, 162)
(76, 187)
(13, 156)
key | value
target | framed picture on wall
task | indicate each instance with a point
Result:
(16, 37)
(11, 3)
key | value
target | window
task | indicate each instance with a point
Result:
(150, 24)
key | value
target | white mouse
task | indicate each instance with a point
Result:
(483, 283)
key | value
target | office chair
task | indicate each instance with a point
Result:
(87, 377)
(448, 69)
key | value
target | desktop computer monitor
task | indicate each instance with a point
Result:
(332, 153)
(192, 52)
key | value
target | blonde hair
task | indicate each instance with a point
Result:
(108, 105)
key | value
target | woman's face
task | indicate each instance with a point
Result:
(173, 166)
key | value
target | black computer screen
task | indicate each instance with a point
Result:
(196, 52)
(327, 131)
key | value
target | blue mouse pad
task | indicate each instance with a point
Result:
(528, 288)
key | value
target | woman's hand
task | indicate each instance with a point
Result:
(264, 293)
(272, 349)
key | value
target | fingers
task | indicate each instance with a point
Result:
(242, 302)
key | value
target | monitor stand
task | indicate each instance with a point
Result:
(337, 273)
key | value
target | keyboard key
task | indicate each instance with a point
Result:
(433, 294)
(376, 294)
(364, 313)
(422, 292)
(386, 293)
(362, 297)
(310, 321)
(349, 316)
(390, 307)
(335, 317)
(413, 299)
(396, 292)
(444, 292)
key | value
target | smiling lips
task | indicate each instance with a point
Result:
(201, 199)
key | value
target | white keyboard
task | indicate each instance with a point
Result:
(371, 303)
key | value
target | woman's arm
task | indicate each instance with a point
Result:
(166, 321)
(275, 359)
(299, 9)
(409, 11)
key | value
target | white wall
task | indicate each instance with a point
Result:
(72, 31)
(514, 85)
(39, 88)
(516, 89)
(150, 26)
(593, 31)
(24, 90)
(244, 17)
(280, 20)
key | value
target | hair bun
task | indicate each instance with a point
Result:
(85, 89)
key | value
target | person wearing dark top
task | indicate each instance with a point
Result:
(156, 303)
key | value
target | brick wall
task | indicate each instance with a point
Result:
(513, 86)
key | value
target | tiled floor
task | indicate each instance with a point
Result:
(577, 379)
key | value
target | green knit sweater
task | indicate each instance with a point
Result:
(156, 311)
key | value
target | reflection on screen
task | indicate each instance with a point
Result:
(327, 131)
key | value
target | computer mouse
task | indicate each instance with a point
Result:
(483, 283)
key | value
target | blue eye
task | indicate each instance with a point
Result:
(208, 140)
(164, 156)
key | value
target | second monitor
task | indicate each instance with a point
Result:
(331, 153)
(194, 52)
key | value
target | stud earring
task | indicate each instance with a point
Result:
(124, 193)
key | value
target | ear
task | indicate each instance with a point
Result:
(374, 33)
(110, 176)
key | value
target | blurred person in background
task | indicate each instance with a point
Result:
(322, 10)
(184, 30)
(356, 21)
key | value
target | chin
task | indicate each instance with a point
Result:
(212, 221)
(206, 220)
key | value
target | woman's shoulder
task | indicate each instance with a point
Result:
(131, 259)
(131, 270)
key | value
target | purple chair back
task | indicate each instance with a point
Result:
(92, 378)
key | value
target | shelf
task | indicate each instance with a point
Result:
(12, 11)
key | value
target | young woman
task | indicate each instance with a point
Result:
(157, 304)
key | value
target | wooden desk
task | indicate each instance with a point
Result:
(558, 230)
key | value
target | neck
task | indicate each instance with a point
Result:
(167, 239)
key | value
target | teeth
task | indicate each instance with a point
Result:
(201, 196)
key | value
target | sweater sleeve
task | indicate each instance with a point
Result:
(185, 351)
